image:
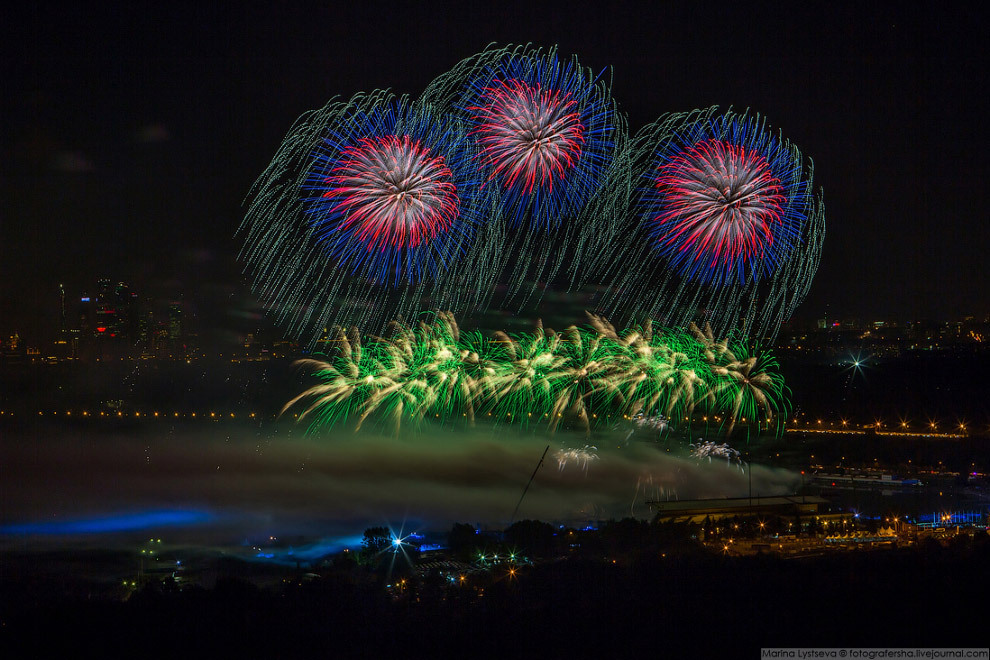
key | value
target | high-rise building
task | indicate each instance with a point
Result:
(175, 321)
(108, 321)
(62, 328)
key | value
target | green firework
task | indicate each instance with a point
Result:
(573, 378)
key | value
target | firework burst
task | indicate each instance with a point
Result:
(581, 457)
(726, 227)
(369, 206)
(550, 143)
(512, 171)
(392, 193)
(528, 137)
(748, 385)
(545, 131)
(574, 378)
(721, 212)
(706, 449)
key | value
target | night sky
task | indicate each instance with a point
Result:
(131, 135)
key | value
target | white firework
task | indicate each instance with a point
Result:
(709, 448)
(582, 457)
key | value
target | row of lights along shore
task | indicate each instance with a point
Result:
(843, 427)
(121, 414)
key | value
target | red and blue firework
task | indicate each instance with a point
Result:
(725, 201)
(510, 169)
(544, 133)
(393, 193)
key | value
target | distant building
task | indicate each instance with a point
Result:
(697, 510)
(108, 321)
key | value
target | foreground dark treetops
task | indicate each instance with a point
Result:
(638, 588)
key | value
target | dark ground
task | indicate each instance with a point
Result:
(687, 601)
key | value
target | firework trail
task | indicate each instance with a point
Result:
(653, 488)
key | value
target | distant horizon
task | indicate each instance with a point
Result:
(42, 325)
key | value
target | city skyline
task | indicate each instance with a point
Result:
(76, 310)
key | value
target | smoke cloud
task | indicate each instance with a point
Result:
(239, 483)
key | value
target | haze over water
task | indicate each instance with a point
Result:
(235, 483)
